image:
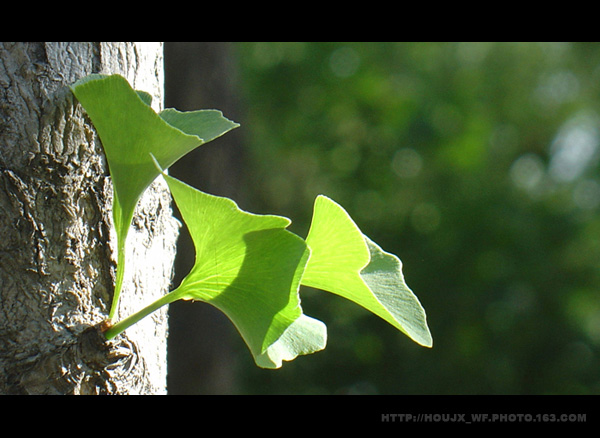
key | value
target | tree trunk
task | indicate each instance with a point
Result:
(57, 243)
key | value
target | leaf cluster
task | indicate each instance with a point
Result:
(248, 266)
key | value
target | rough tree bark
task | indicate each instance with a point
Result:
(57, 244)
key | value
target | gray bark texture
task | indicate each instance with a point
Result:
(57, 243)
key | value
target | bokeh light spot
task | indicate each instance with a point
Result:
(344, 62)
(407, 163)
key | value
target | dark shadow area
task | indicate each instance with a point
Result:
(202, 76)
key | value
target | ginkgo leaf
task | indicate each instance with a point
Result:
(130, 130)
(248, 266)
(346, 262)
(305, 335)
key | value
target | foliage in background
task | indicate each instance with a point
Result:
(476, 163)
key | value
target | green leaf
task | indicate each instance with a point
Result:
(305, 335)
(346, 262)
(130, 130)
(248, 266)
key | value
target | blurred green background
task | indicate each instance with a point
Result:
(475, 163)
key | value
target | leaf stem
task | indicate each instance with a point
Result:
(118, 283)
(122, 325)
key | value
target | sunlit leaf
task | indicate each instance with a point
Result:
(130, 130)
(248, 266)
(346, 262)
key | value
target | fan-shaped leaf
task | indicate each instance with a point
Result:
(248, 266)
(130, 130)
(346, 262)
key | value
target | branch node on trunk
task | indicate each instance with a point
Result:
(79, 367)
